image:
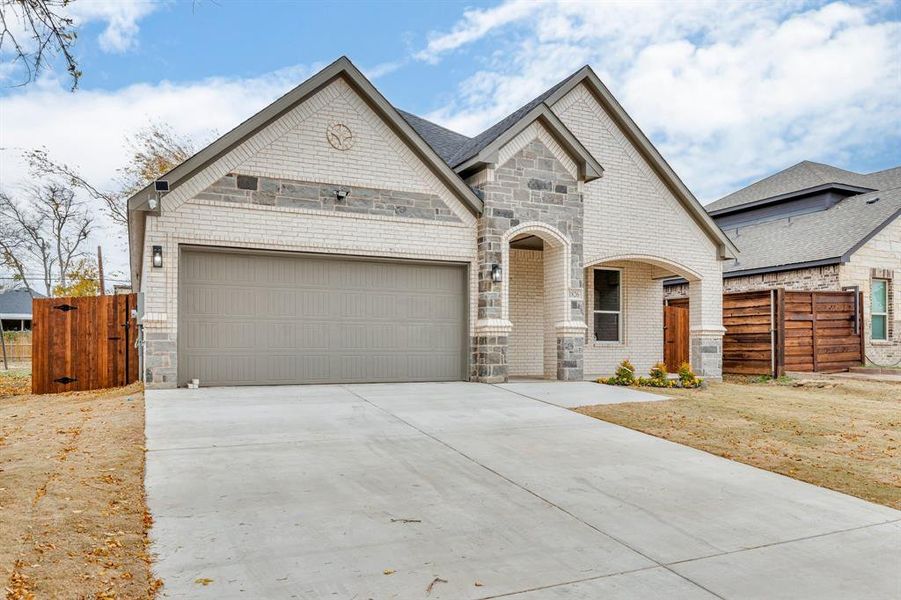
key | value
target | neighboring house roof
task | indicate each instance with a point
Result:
(16, 304)
(802, 177)
(818, 238)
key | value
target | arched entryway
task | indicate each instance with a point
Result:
(625, 314)
(537, 302)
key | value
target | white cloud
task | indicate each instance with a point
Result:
(121, 18)
(474, 25)
(728, 91)
(88, 129)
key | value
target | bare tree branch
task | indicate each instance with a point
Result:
(30, 29)
(48, 235)
(155, 150)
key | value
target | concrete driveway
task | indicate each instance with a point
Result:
(461, 491)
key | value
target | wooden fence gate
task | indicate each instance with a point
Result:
(675, 337)
(770, 332)
(83, 343)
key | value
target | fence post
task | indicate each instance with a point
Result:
(860, 329)
(3, 343)
(780, 332)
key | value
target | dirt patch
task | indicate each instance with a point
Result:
(842, 435)
(14, 382)
(73, 520)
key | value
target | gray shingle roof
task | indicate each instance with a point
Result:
(806, 175)
(443, 141)
(476, 144)
(456, 148)
(819, 236)
(15, 302)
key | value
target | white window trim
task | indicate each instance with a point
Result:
(621, 312)
(873, 313)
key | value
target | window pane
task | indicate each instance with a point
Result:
(878, 328)
(878, 296)
(606, 327)
(606, 290)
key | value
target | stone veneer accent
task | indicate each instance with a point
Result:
(569, 357)
(532, 186)
(707, 354)
(266, 191)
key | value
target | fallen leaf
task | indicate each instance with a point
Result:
(389, 571)
(203, 581)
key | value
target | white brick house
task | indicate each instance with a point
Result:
(333, 238)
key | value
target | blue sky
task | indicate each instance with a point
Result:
(730, 92)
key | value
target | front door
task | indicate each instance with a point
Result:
(675, 337)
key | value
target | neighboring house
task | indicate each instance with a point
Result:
(817, 227)
(334, 238)
(15, 310)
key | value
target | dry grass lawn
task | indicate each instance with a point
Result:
(73, 520)
(845, 435)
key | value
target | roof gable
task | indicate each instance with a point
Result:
(589, 167)
(587, 77)
(140, 203)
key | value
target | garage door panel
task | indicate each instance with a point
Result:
(259, 319)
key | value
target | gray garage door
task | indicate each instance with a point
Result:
(250, 319)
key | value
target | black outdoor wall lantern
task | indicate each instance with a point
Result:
(157, 260)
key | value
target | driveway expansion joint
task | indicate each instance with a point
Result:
(532, 492)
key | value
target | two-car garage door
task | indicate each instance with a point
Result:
(265, 318)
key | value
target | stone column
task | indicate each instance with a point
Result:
(706, 326)
(570, 347)
(489, 351)
(707, 353)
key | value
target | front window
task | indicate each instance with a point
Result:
(879, 309)
(608, 291)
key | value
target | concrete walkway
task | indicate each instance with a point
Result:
(482, 492)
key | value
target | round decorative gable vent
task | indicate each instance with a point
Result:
(339, 136)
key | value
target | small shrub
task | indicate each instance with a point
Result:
(625, 375)
(687, 377)
(659, 377)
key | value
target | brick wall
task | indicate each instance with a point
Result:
(881, 256)
(630, 212)
(526, 353)
(801, 280)
(295, 148)
(642, 315)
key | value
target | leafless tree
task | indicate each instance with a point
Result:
(154, 150)
(44, 236)
(32, 29)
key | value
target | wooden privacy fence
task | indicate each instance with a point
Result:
(83, 343)
(770, 332)
(18, 346)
